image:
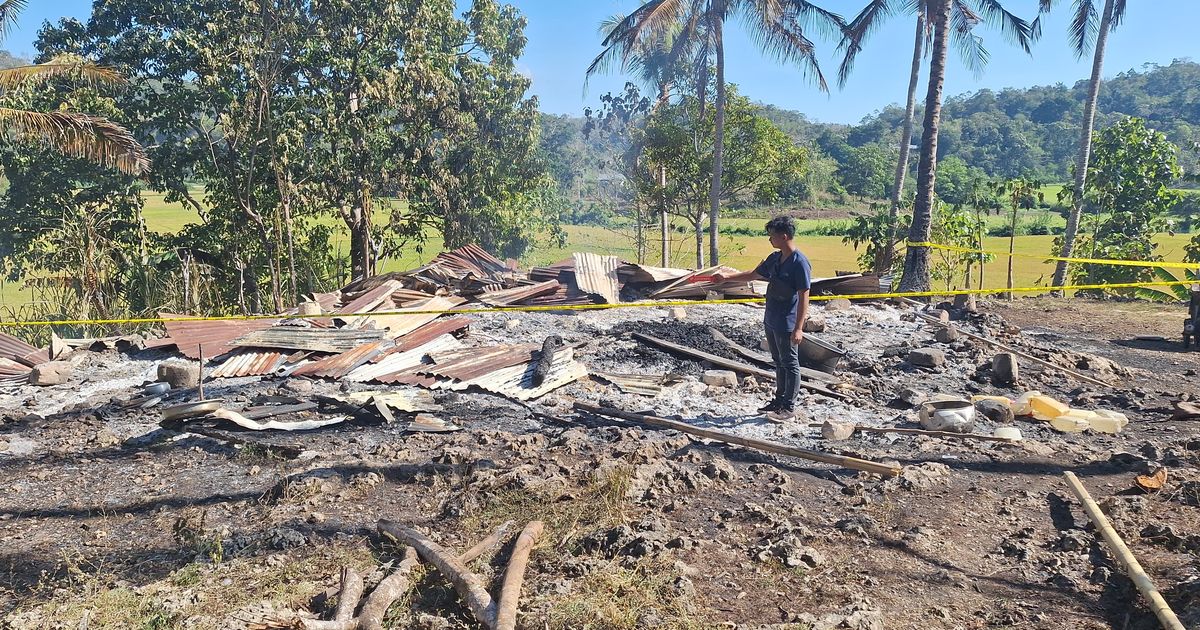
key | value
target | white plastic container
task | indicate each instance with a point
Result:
(1046, 408)
(1070, 424)
(1021, 407)
(1008, 433)
(1106, 421)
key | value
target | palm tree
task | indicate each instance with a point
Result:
(972, 51)
(943, 16)
(73, 133)
(777, 25)
(1085, 33)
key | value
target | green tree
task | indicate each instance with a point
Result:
(778, 26)
(1020, 193)
(867, 171)
(1129, 176)
(762, 160)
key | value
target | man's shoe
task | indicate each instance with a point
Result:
(770, 407)
(782, 414)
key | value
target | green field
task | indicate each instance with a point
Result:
(827, 253)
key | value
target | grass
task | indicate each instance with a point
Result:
(621, 597)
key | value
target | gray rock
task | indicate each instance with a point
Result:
(838, 304)
(966, 303)
(814, 324)
(946, 334)
(912, 396)
(1004, 369)
(309, 309)
(995, 411)
(926, 357)
(678, 313)
(719, 378)
(942, 314)
(180, 374)
(51, 373)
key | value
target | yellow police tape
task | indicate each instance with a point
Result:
(580, 307)
(1090, 261)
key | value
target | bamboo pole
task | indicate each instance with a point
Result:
(1132, 567)
(887, 470)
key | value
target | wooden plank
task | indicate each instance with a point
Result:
(736, 366)
(887, 470)
(816, 375)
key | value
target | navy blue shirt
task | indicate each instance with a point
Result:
(785, 278)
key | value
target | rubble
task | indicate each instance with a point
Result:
(51, 373)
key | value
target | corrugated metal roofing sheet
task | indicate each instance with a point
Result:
(470, 363)
(248, 362)
(216, 336)
(597, 275)
(517, 381)
(370, 300)
(342, 364)
(506, 297)
(402, 362)
(21, 352)
(403, 323)
(431, 331)
(333, 340)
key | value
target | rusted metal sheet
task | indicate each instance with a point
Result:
(401, 321)
(16, 350)
(248, 362)
(403, 362)
(471, 363)
(342, 364)
(333, 340)
(372, 299)
(506, 297)
(649, 275)
(10, 368)
(517, 381)
(216, 336)
(431, 331)
(641, 384)
(597, 275)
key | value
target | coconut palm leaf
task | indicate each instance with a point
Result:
(1118, 14)
(782, 36)
(858, 30)
(8, 14)
(970, 46)
(78, 135)
(1084, 25)
(66, 65)
(815, 18)
(1014, 28)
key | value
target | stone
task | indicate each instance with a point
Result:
(837, 430)
(994, 410)
(512, 324)
(941, 314)
(814, 324)
(1004, 369)
(926, 357)
(105, 438)
(51, 373)
(911, 396)
(838, 304)
(310, 309)
(966, 303)
(678, 312)
(180, 374)
(299, 386)
(946, 334)
(719, 378)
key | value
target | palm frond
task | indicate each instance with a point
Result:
(1014, 28)
(1084, 25)
(1153, 295)
(814, 18)
(1181, 292)
(1118, 14)
(784, 39)
(78, 135)
(65, 65)
(970, 46)
(8, 14)
(857, 31)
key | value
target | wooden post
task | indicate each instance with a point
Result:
(1132, 567)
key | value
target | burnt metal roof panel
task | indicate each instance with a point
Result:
(597, 275)
(216, 335)
(342, 364)
(403, 362)
(249, 362)
(333, 340)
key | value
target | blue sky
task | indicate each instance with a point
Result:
(563, 40)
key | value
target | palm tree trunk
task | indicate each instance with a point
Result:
(1085, 148)
(916, 259)
(714, 193)
(884, 263)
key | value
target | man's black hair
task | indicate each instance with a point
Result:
(782, 225)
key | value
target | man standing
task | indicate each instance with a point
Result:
(789, 276)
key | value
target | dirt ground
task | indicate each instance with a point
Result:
(112, 521)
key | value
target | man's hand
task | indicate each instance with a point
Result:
(797, 336)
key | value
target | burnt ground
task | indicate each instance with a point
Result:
(109, 520)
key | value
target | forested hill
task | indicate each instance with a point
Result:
(1003, 133)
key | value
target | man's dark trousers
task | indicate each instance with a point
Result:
(787, 366)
